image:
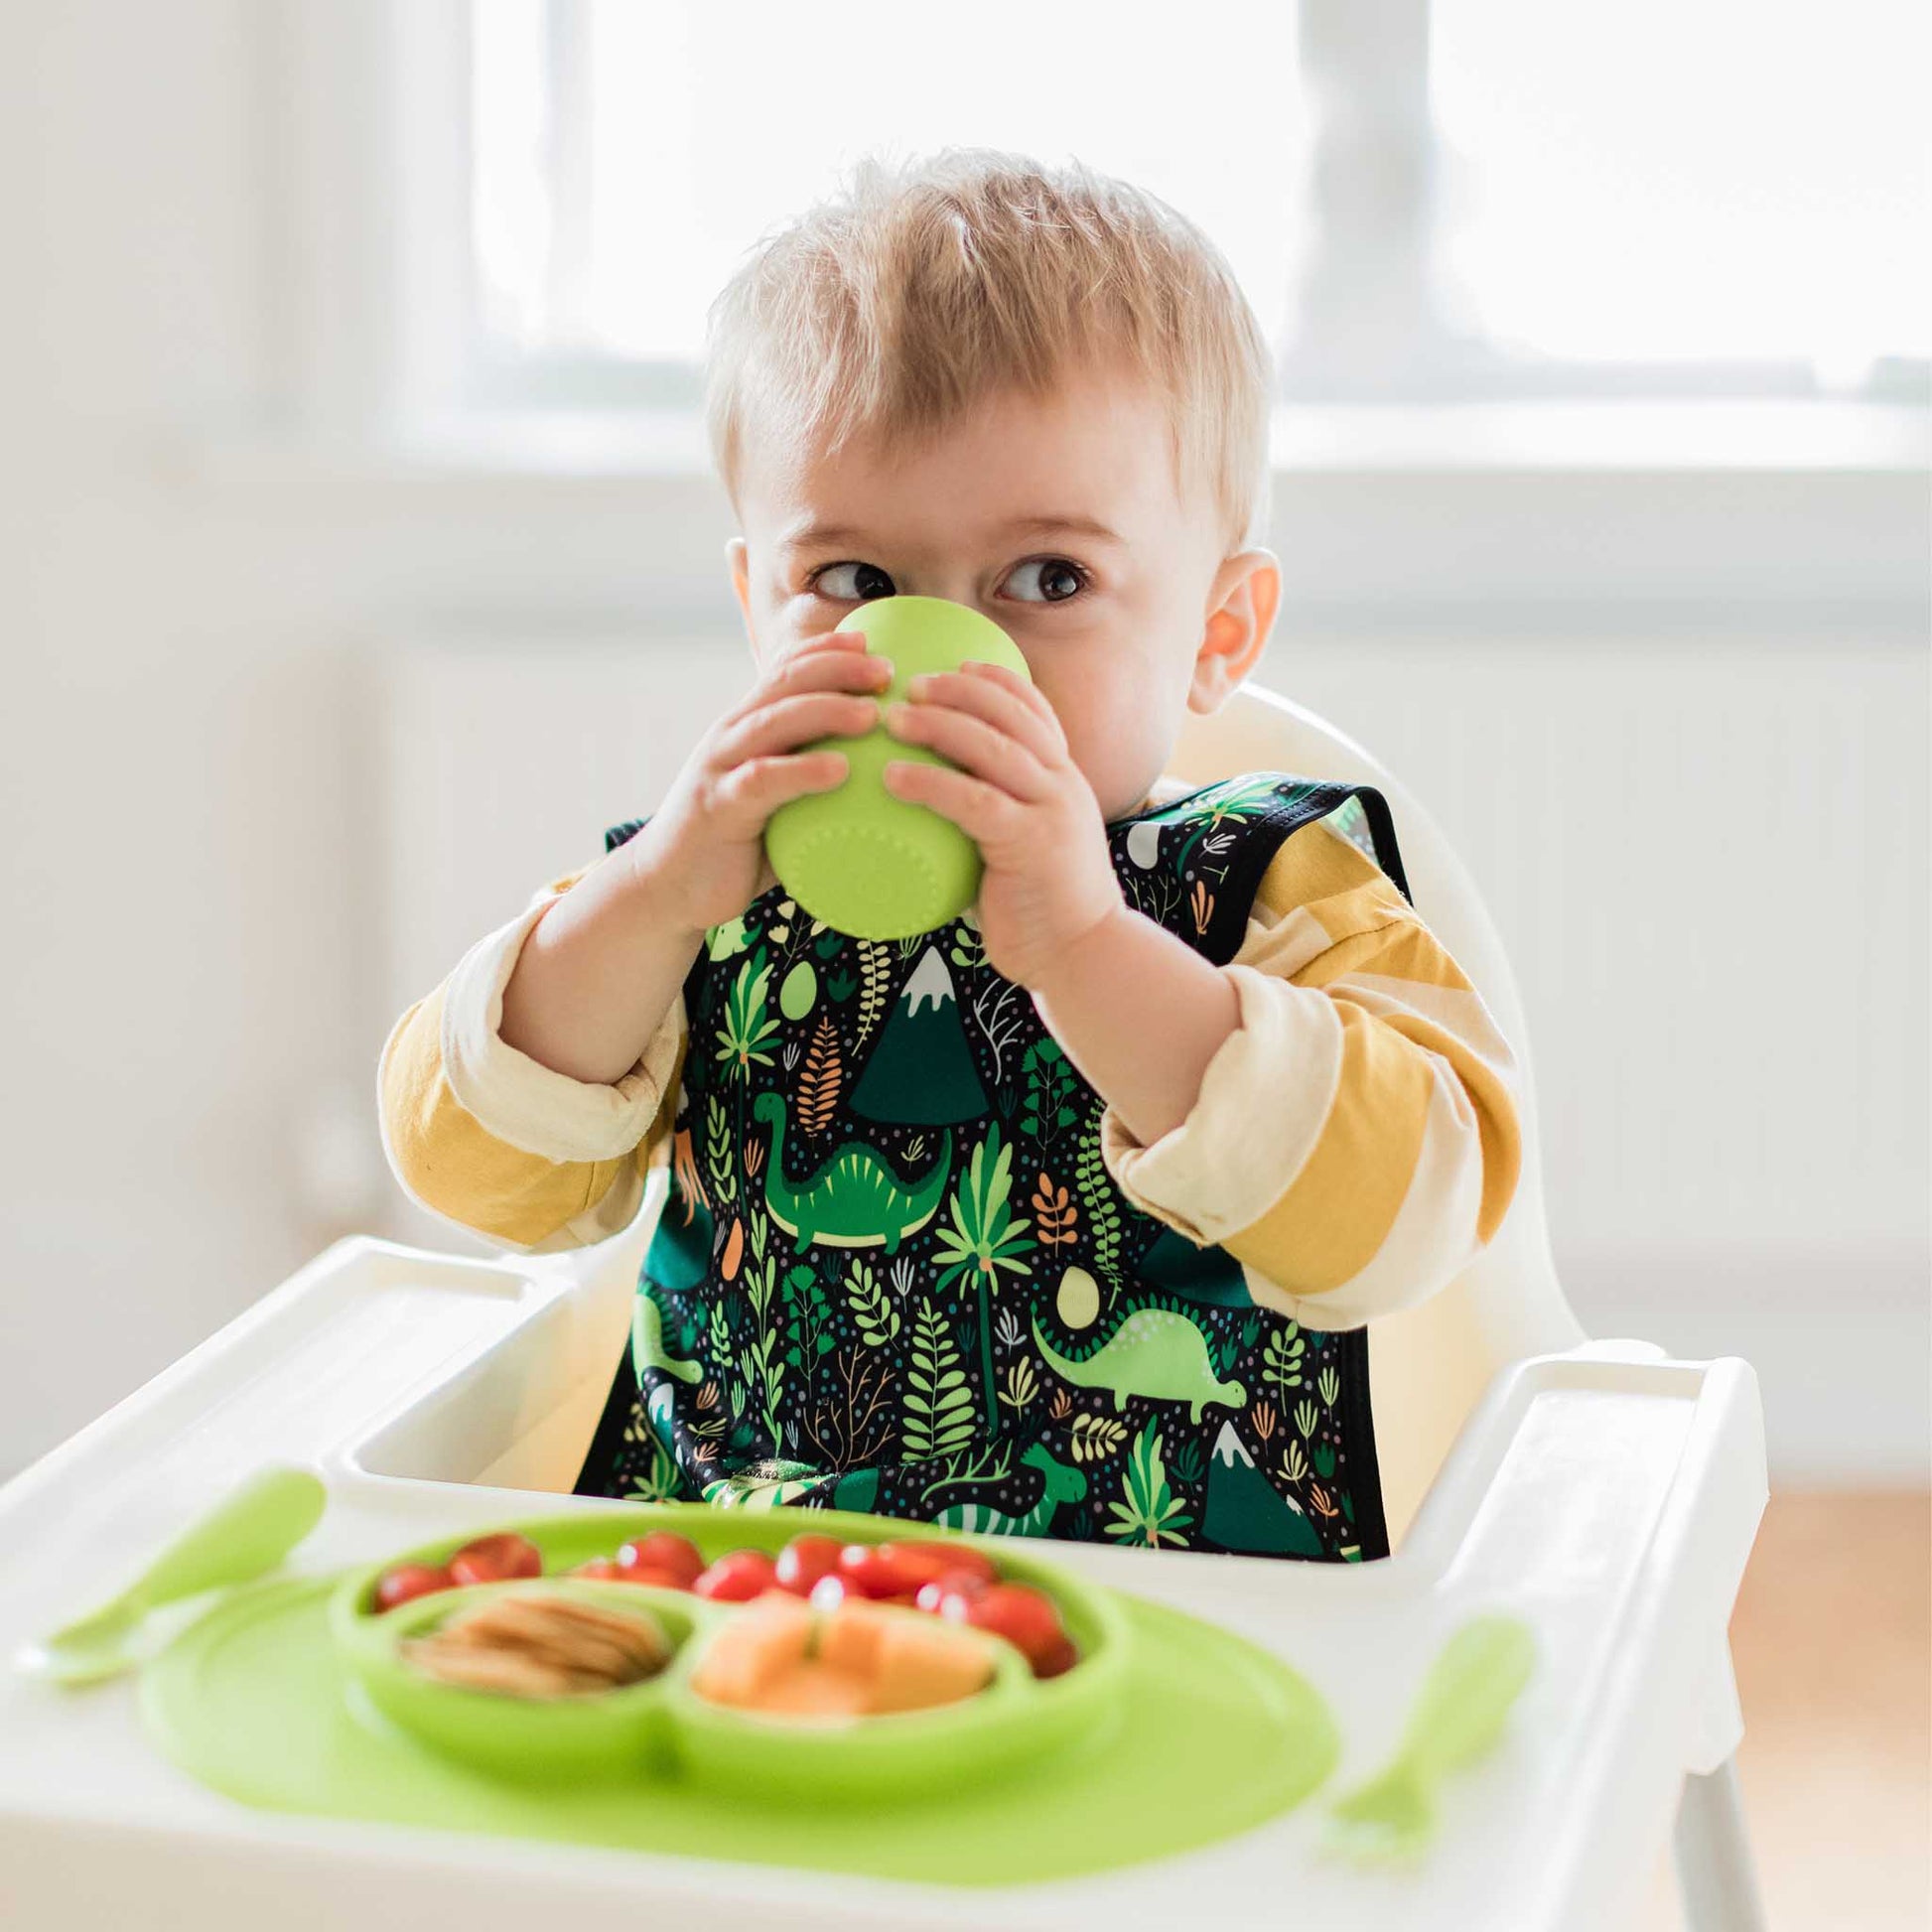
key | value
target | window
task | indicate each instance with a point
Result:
(625, 156)
(1690, 181)
(1426, 199)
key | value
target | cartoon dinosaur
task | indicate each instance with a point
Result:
(854, 1201)
(1155, 1352)
(1057, 1484)
(647, 1349)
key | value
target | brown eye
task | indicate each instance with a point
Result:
(852, 583)
(1044, 580)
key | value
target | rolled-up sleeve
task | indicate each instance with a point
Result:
(495, 1140)
(1355, 1141)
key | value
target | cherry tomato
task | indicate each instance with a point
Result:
(607, 1570)
(884, 1570)
(859, 1566)
(495, 1560)
(675, 1556)
(738, 1578)
(804, 1560)
(649, 1579)
(951, 1595)
(407, 1582)
(1024, 1617)
(835, 1588)
(949, 1558)
(1056, 1660)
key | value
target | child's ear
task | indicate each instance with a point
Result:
(1246, 593)
(738, 560)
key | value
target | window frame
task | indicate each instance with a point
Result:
(1367, 275)
(1762, 517)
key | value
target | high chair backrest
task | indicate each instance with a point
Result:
(1428, 1366)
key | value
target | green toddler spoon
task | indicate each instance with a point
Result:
(249, 1532)
(1464, 1702)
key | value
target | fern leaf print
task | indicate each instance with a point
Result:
(818, 1083)
(940, 1416)
(1096, 1187)
(1057, 1220)
(874, 983)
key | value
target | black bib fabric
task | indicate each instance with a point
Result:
(893, 1273)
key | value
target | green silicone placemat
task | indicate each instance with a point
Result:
(1216, 1737)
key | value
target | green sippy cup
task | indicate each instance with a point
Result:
(865, 863)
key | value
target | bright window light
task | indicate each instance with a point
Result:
(626, 155)
(1675, 179)
(1624, 197)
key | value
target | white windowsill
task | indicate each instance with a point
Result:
(1528, 439)
(1747, 518)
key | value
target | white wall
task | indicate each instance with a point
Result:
(194, 958)
(185, 843)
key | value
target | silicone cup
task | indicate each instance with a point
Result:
(908, 1754)
(865, 863)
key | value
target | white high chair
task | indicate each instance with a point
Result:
(1430, 1366)
(1604, 1493)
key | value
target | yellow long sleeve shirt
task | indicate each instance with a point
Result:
(1354, 1143)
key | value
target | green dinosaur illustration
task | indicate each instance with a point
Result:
(854, 1201)
(1155, 1353)
(727, 941)
(1058, 1484)
(647, 1349)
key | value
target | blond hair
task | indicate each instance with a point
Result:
(925, 288)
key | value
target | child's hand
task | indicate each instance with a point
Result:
(704, 847)
(1019, 796)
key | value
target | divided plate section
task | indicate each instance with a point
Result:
(662, 1725)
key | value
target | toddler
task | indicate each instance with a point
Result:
(1067, 1219)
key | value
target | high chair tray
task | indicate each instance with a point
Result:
(1197, 1736)
(1609, 1496)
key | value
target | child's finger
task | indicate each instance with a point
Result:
(819, 664)
(836, 642)
(1008, 703)
(1007, 679)
(752, 791)
(787, 723)
(972, 745)
(837, 671)
(826, 670)
(984, 812)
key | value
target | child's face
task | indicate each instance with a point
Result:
(1060, 518)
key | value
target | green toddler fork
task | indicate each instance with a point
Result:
(1464, 1702)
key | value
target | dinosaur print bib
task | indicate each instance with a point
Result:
(894, 1274)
